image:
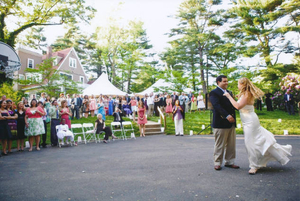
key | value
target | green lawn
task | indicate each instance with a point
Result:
(268, 120)
(194, 121)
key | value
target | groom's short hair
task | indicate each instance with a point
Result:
(220, 77)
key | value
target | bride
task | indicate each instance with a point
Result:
(260, 144)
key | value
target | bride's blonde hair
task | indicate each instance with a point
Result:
(249, 89)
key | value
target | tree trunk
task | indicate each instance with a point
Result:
(202, 76)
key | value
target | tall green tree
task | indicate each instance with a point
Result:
(259, 23)
(36, 38)
(32, 13)
(198, 21)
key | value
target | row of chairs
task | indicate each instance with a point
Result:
(89, 134)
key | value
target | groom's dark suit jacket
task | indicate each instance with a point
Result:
(222, 108)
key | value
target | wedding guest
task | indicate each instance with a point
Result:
(126, 107)
(200, 104)
(150, 103)
(44, 118)
(259, 103)
(169, 105)
(43, 97)
(127, 98)
(12, 123)
(76, 101)
(187, 104)
(133, 107)
(54, 116)
(156, 104)
(86, 106)
(120, 103)
(93, 105)
(289, 103)
(269, 101)
(174, 98)
(110, 106)
(34, 123)
(20, 126)
(25, 102)
(61, 98)
(69, 100)
(5, 133)
(3, 98)
(178, 117)
(118, 115)
(64, 132)
(47, 104)
(100, 127)
(194, 103)
(142, 120)
(101, 110)
(65, 113)
(105, 103)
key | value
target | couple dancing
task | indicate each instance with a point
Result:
(260, 144)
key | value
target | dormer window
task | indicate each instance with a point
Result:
(30, 63)
(72, 62)
(55, 62)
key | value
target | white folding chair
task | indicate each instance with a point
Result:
(114, 130)
(89, 132)
(127, 127)
(77, 129)
(60, 142)
(98, 136)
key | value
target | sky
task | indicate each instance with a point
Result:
(155, 15)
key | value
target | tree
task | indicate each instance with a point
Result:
(36, 39)
(258, 22)
(49, 80)
(40, 13)
(198, 22)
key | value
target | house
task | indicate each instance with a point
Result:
(65, 61)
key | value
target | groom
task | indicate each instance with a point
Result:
(223, 125)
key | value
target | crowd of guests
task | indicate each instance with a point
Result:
(30, 118)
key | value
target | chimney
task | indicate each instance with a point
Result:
(49, 52)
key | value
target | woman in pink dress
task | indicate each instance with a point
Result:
(133, 107)
(142, 120)
(169, 105)
(93, 106)
(65, 113)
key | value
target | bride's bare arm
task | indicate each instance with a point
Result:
(238, 105)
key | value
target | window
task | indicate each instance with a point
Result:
(30, 63)
(67, 76)
(72, 62)
(55, 62)
(28, 76)
(81, 79)
(21, 77)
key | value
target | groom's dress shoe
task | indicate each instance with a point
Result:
(233, 166)
(217, 167)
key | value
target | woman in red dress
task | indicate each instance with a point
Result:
(142, 120)
(65, 113)
(169, 107)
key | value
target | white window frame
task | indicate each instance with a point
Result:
(28, 61)
(21, 77)
(55, 62)
(61, 73)
(28, 76)
(82, 82)
(72, 62)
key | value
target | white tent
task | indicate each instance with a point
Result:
(161, 84)
(102, 86)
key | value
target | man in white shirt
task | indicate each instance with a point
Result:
(150, 103)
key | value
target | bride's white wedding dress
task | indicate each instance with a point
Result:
(260, 143)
